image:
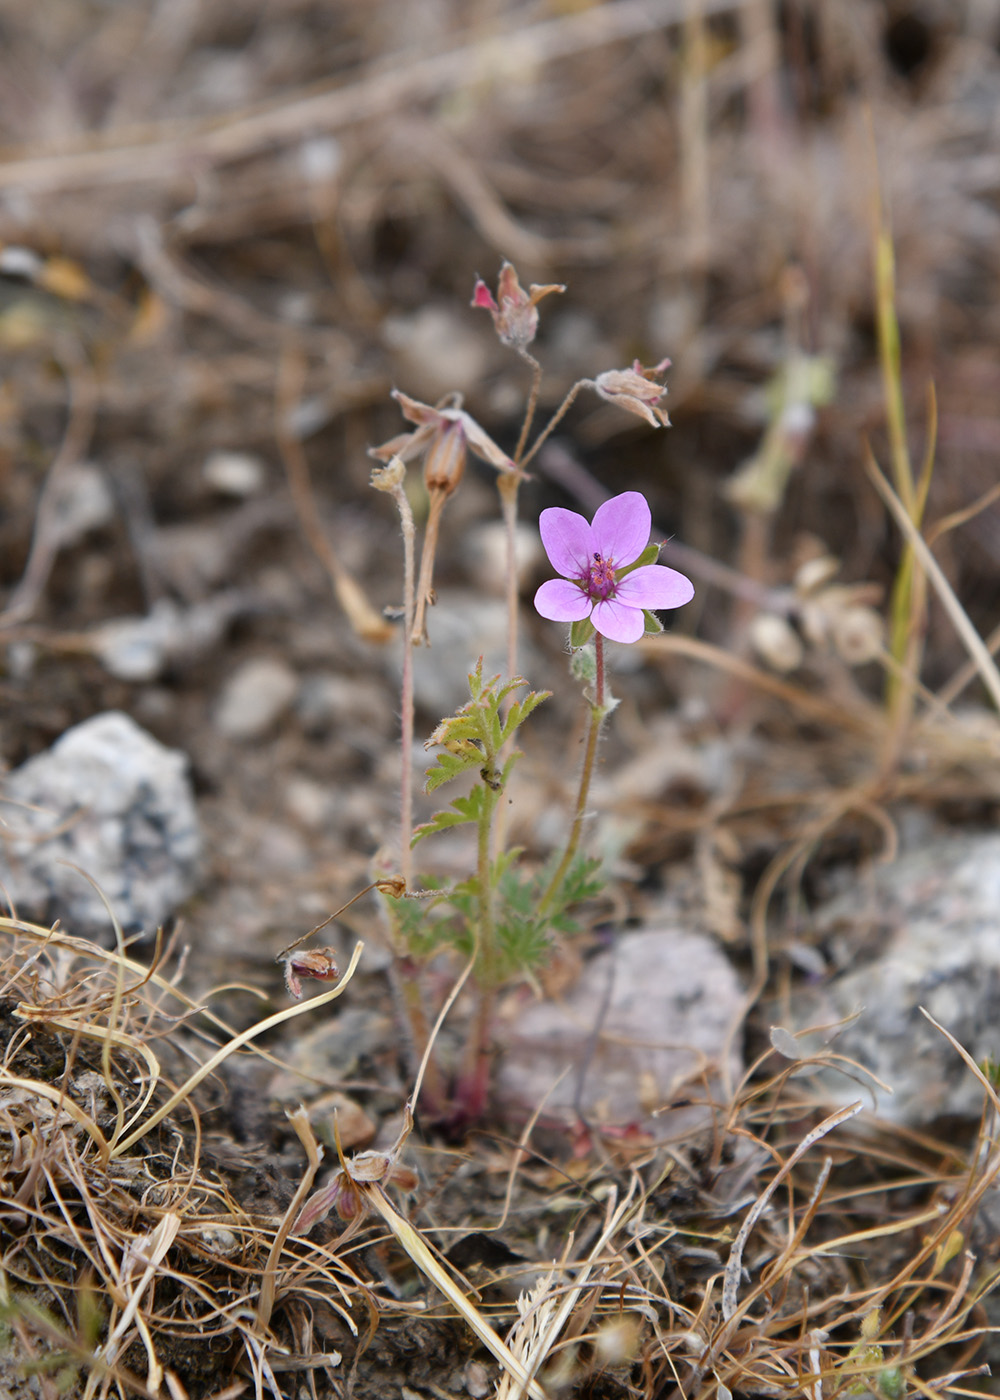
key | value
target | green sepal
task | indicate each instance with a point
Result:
(583, 665)
(648, 556)
(580, 633)
(653, 626)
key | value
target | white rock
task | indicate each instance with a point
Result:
(119, 806)
(922, 932)
(254, 698)
(636, 1031)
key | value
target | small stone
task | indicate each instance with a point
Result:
(119, 806)
(254, 698)
(639, 1026)
(238, 474)
(309, 803)
(331, 1052)
(355, 1127)
(477, 1380)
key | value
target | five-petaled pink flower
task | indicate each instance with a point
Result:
(592, 558)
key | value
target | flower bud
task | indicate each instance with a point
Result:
(444, 463)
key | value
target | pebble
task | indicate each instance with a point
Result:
(238, 474)
(254, 698)
(120, 807)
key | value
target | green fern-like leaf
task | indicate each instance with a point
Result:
(462, 810)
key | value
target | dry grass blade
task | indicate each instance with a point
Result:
(734, 1265)
(230, 1048)
(419, 1251)
(979, 653)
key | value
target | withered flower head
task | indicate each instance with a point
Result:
(443, 434)
(636, 390)
(317, 963)
(514, 311)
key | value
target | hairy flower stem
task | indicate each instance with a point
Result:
(507, 485)
(403, 978)
(529, 415)
(472, 1092)
(556, 418)
(406, 688)
(597, 712)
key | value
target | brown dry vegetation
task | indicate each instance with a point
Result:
(235, 226)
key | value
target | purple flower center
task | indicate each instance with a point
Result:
(601, 582)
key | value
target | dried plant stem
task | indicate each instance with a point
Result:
(586, 774)
(418, 1250)
(269, 1283)
(362, 616)
(46, 541)
(231, 1046)
(985, 665)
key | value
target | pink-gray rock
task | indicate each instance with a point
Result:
(636, 1032)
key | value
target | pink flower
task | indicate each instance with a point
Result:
(594, 562)
(514, 311)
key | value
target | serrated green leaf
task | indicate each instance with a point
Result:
(449, 765)
(520, 711)
(462, 810)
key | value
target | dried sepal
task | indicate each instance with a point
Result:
(636, 391)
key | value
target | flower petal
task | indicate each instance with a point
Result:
(405, 446)
(621, 528)
(654, 586)
(617, 621)
(481, 442)
(417, 412)
(567, 538)
(561, 601)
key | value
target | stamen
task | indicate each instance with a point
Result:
(601, 584)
